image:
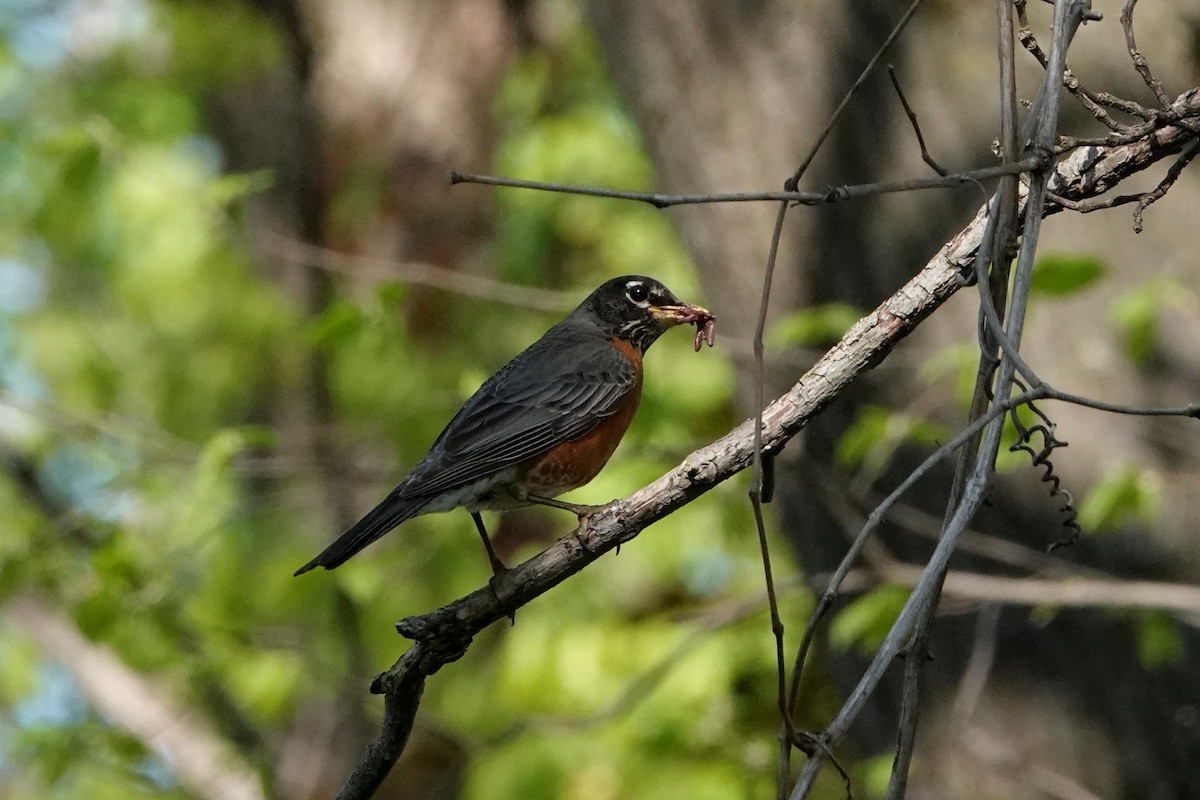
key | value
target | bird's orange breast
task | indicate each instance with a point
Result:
(571, 464)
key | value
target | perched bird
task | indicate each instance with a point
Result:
(546, 423)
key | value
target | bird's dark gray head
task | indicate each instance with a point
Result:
(638, 309)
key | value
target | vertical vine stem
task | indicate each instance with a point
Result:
(921, 604)
(991, 276)
(788, 735)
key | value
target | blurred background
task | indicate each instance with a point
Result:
(239, 299)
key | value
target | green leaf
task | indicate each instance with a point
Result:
(865, 622)
(1159, 641)
(1064, 274)
(1136, 316)
(224, 189)
(18, 665)
(817, 326)
(337, 323)
(1126, 494)
(266, 680)
(875, 773)
(877, 433)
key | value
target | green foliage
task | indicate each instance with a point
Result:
(817, 326)
(18, 663)
(1159, 640)
(874, 774)
(1136, 316)
(170, 368)
(873, 439)
(864, 623)
(1125, 495)
(1064, 274)
(573, 130)
(959, 362)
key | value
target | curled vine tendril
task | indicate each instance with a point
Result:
(1041, 458)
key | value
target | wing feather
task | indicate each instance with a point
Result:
(525, 410)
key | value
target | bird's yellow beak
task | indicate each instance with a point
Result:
(683, 314)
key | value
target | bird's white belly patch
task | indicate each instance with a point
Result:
(486, 494)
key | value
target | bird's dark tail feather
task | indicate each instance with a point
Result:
(388, 514)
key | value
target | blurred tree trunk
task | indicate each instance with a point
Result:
(379, 101)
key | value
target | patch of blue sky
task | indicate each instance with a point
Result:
(22, 286)
(55, 701)
(44, 34)
(87, 478)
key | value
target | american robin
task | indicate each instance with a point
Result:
(546, 423)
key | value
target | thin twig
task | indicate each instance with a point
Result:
(1181, 600)
(1139, 60)
(833, 194)
(1094, 102)
(916, 126)
(862, 77)
(991, 278)
(874, 520)
(298, 252)
(1166, 183)
(789, 737)
(1050, 393)
(1143, 199)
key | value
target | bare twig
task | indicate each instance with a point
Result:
(1143, 199)
(789, 737)
(405, 683)
(1180, 599)
(1192, 410)
(833, 194)
(1139, 60)
(1095, 102)
(422, 274)
(916, 126)
(874, 520)
(1185, 158)
(991, 277)
(899, 27)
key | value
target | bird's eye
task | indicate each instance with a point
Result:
(637, 292)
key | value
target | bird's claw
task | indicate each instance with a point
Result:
(494, 585)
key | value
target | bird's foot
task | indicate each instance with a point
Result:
(498, 568)
(498, 573)
(582, 511)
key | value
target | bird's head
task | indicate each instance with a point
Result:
(640, 309)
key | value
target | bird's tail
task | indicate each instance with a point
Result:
(388, 514)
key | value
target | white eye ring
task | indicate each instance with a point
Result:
(637, 293)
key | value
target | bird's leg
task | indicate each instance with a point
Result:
(578, 509)
(498, 567)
